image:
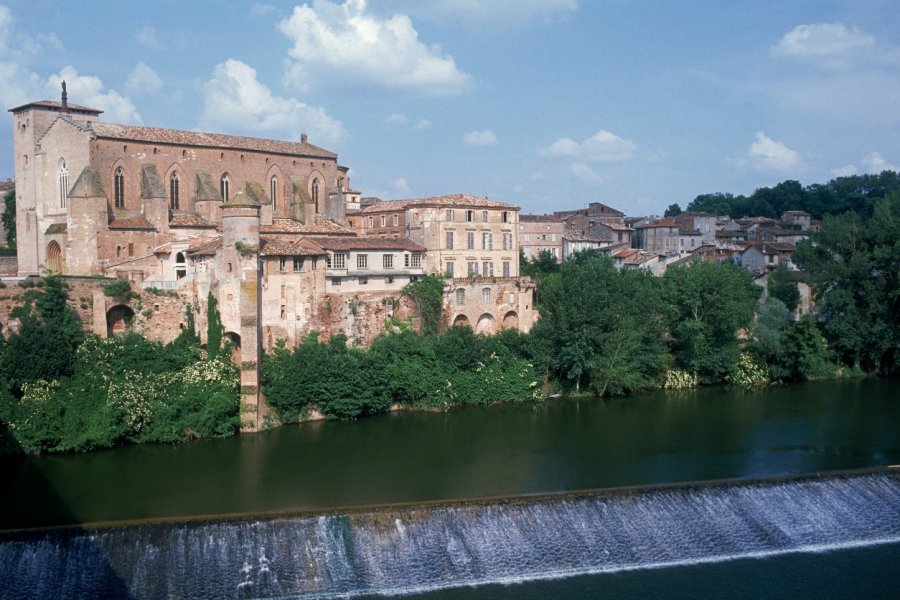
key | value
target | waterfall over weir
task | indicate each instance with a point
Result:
(397, 550)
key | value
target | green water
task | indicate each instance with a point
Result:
(557, 445)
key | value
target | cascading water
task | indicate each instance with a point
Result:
(421, 548)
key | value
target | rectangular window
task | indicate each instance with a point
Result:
(553, 237)
(362, 261)
(506, 268)
(504, 217)
(406, 260)
(470, 240)
(371, 221)
(298, 263)
(396, 220)
(282, 263)
(470, 216)
(340, 261)
(449, 242)
(487, 241)
(383, 220)
(484, 216)
(487, 269)
(486, 295)
(416, 261)
(527, 237)
(449, 264)
(460, 297)
(335, 281)
(130, 249)
(473, 269)
(387, 261)
(315, 263)
(449, 214)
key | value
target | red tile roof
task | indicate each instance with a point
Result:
(189, 221)
(318, 228)
(180, 137)
(131, 223)
(450, 201)
(281, 247)
(539, 219)
(204, 246)
(370, 243)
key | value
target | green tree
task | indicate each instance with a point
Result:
(852, 265)
(9, 217)
(598, 338)
(708, 304)
(673, 210)
(804, 352)
(427, 295)
(782, 284)
(214, 328)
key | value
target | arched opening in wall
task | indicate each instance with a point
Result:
(485, 325)
(118, 318)
(119, 188)
(54, 258)
(461, 320)
(511, 320)
(63, 182)
(180, 266)
(174, 192)
(234, 340)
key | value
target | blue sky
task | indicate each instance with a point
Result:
(549, 104)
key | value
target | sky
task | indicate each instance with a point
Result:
(548, 104)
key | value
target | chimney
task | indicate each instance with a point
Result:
(303, 137)
(65, 98)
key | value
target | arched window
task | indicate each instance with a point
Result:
(273, 192)
(223, 187)
(174, 198)
(63, 183)
(315, 194)
(54, 257)
(119, 187)
(180, 266)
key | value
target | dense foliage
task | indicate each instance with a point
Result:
(427, 295)
(9, 217)
(856, 193)
(62, 391)
(406, 368)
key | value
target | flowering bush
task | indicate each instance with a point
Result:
(677, 379)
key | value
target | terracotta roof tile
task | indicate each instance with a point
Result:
(282, 247)
(216, 140)
(370, 243)
(205, 246)
(131, 223)
(539, 219)
(57, 106)
(189, 220)
(451, 200)
(319, 228)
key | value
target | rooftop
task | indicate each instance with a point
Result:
(57, 106)
(369, 243)
(281, 247)
(450, 201)
(318, 228)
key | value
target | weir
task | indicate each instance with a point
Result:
(408, 549)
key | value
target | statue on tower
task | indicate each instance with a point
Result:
(65, 97)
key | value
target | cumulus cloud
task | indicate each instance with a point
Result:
(342, 44)
(146, 36)
(767, 154)
(875, 163)
(234, 100)
(834, 46)
(480, 138)
(603, 146)
(401, 186)
(143, 79)
(584, 171)
(496, 13)
(395, 119)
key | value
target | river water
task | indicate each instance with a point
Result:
(555, 446)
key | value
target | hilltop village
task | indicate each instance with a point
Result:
(276, 234)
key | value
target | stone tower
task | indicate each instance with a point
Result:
(241, 282)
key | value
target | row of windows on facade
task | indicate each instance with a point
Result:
(472, 270)
(469, 216)
(487, 241)
(485, 296)
(174, 188)
(541, 237)
(339, 261)
(388, 279)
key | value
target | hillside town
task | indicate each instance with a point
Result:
(275, 232)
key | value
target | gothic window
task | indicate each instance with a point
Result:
(119, 188)
(273, 192)
(63, 183)
(315, 194)
(223, 187)
(174, 196)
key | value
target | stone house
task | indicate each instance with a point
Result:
(633, 258)
(702, 222)
(798, 219)
(539, 233)
(657, 235)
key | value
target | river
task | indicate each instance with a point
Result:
(476, 453)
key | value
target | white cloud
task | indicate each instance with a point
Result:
(261, 10)
(395, 119)
(768, 155)
(422, 125)
(344, 45)
(494, 13)
(146, 36)
(584, 171)
(834, 46)
(480, 138)
(874, 163)
(88, 90)
(401, 185)
(603, 146)
(143, 79)
(844, 171)
(234, 100)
